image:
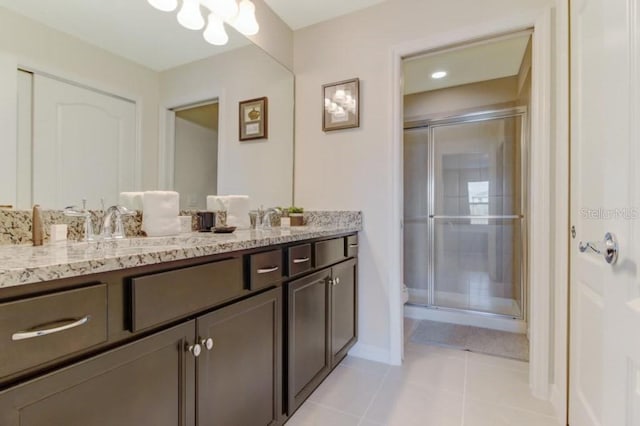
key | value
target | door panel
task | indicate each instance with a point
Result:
(605, 194)
(149, 382)
(308, 330)
(84, 145)
(343, 310)
(239, 379)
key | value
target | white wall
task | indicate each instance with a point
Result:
(353, 169)
(262, 168)
(27, 43)
(196, 164)
(275, 37)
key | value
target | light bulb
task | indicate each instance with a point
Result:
(190, 16)
(225, 9)
(245, 22)
(215, 33)
(164, 5)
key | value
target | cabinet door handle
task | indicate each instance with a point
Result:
(301, 260)
(207, 343)
(268, 270)
(196, 350)
(21, 335)
(337, 281)
(353, 245)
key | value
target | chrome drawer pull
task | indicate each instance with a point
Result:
(268, 270)
(301, 260)
(21, 335)
(353, 245)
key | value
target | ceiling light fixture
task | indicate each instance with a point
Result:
(241, 16)
(439, 74)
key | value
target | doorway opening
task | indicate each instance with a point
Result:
(195, 156)
(465, 177)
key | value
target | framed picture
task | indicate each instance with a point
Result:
(254, 119)
(341, 105)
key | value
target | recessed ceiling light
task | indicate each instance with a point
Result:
(439, 74)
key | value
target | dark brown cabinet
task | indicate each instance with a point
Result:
(322, 327)
(232, 378)
(148, 382)
(240, 368)
(344, 315)
(308, 335)
(238, 339)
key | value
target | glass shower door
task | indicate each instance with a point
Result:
(475, 215)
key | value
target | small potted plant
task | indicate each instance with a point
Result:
(296, 216)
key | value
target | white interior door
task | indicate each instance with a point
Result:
(605, 191)
(84, 145)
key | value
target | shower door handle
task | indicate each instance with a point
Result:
(514, 216)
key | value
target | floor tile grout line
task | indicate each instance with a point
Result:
(513, 407)
(464, 387)
(373, 398)
(329, 407)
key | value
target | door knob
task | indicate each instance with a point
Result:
(207, 343)
(196, 350)
(609, 248)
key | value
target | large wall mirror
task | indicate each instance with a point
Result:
(102, 97)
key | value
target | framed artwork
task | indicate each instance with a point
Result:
(254, 119)
(341, 105)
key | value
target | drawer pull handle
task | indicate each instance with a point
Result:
(301, 260)
(22, 335)
(353, 245)
(268, 270)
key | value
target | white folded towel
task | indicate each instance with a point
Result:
(131, 200)
(236, 206)
(160, 210)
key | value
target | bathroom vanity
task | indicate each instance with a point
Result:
(196, 329)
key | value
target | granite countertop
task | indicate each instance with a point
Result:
(23, 264)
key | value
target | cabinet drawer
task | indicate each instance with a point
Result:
(265, 269)
(299, 258)
(169, 295)
(351, 247)
(42, 329)
(328, 252)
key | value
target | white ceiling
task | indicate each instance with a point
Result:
(498, 59)
(129, 28)
(302, 13)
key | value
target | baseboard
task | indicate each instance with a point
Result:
(464, 318)
(370, 352)
(558, 401)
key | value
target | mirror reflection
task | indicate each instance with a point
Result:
(117, 96)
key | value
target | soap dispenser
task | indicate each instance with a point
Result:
(37, 226)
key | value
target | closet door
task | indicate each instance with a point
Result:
(84, 144)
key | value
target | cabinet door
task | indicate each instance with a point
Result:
(308, 336)
(148, 382)
(344, 313)
(239, 379)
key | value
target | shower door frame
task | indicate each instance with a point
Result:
(474, 117)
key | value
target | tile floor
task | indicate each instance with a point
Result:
(434, 387)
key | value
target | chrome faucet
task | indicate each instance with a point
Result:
(266, 221)
(110, 229)
(74, 211)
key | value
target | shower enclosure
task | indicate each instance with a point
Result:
(464, 204)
